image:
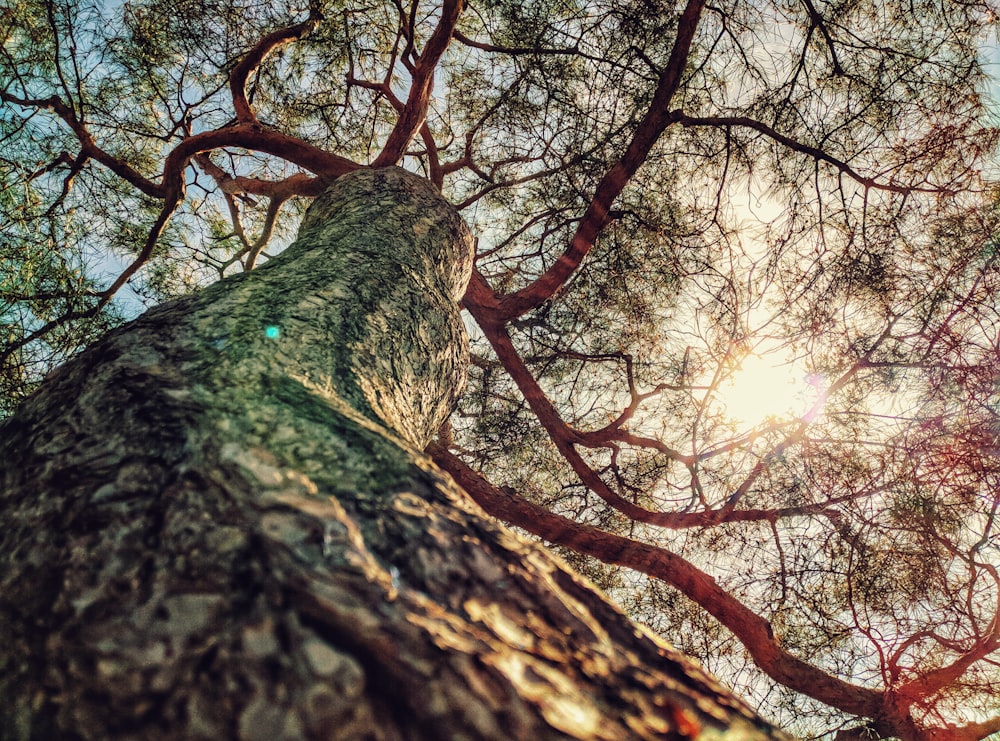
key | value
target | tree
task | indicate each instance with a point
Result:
(229, 531)
(613, 161)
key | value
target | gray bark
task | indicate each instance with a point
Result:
(213, 532)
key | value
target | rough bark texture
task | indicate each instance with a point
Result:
(218, 523)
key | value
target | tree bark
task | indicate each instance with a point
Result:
(218, 523)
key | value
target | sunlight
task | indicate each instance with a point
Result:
(768, 387)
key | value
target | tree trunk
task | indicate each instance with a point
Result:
(217, 523)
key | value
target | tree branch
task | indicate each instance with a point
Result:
(170, 204)
(654, 123)
(565, 438)
(797, 146)
(261, 139)
(930, 682)
(250, 136)
(818, 22)
(88, 146)
(265, 234)
(252, 60)
(753, 631)
(976, 731)
(298, 184)
(415, 111)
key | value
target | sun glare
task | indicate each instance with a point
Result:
(767, 387)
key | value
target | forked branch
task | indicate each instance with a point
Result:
(815, 153)
(412, 117)
(88, 147)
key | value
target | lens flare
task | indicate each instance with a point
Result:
(766, 388)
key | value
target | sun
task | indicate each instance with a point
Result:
(768, 387)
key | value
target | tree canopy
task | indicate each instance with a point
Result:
(678, 208)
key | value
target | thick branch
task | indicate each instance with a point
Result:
(415, 110)
(654, 123)
(248, 65)
(298, 184)
(753, 631)
(261, 139)
(247, 135)
(976, 731)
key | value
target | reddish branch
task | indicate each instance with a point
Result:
(171, 187)
(753, 631)
(88, 146)
(654, 123)
(435, 171)
(62, 160)
(412, 117)
(251, 62)
(247, 135)
(657, 119)
(298, 184)
(258, 138)
(276, 191)
(566, 438)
